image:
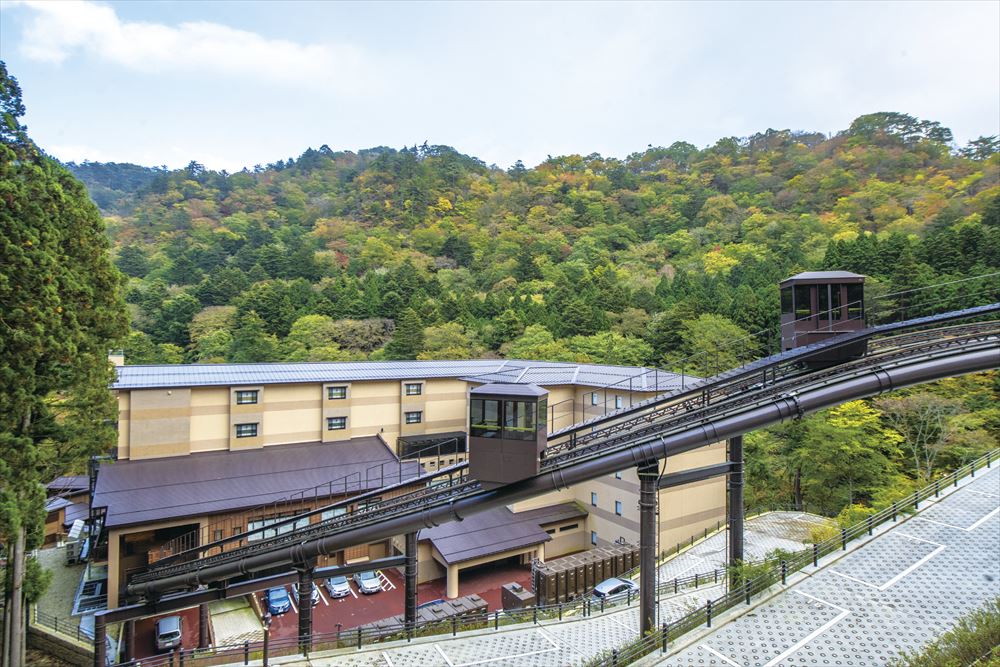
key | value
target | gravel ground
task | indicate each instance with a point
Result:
(39, 659)
(58, 599)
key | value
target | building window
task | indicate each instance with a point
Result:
(618, 402)
(217, 535)
(246, 430)
(333, 514)
(550, 531)
(593, 398)
(336, 393)
(336, 423)
(267, 534)
(572, 526)
(237, 530)
(246, 397)
(593, 498)
(618, 507)
(414, 417)
(593, 537)
(618, 475)
(414, 389)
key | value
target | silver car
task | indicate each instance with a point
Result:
(314, 596)
(615, 586)
(168, 633)
(368, 582)
(338, 587)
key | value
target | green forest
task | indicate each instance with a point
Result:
(426, 253)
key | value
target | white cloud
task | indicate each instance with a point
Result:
(59, 30)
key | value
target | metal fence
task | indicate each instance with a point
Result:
(659, 640)
(69, 627)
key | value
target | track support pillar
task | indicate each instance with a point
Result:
(410, 583)
(305, 606)
(735, 492)
(648, 475)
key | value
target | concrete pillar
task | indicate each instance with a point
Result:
(452, 582)
(410, 582)
(735, 492)
(305, 608)
(100, 641)
(203, 634)
(648, 475)
(540, 553)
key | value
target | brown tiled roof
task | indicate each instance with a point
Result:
(214, 482)
(484, 534)
(553, 513)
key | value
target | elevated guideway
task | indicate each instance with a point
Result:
(763, 392)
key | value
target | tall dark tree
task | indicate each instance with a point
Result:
(62, 310)
(408, 338)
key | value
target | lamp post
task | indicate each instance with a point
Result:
(267, 634)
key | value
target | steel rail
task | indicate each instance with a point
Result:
(428, 511)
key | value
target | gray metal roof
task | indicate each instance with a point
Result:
(543, 373)
(213, 482)
(499, 389)
(824, 275)
(484, 534)
(554, 513)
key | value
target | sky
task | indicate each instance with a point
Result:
(232, 84)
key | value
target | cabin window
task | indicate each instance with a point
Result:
(803, 302)
(336, 393)
(855, 301)
(786, 300)
(246, 397)
(485, 418)
(593, 537)
(414, 417)
(618, 402)
(824, 302)
(572, 526)
(336, 423)
(519, 420)
(414, 389)
(593, 499)
(593, 398)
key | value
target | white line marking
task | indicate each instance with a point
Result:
(886, 585)
(291, 601)
(815, 633)
(718, 655)
(691, 567)
(385, 656)
(351, 588)
(983, 493)
(967, 530)
(447, 661)
(627, 627)
(555, 647)
(322, 597)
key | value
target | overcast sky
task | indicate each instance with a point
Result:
(233, 84)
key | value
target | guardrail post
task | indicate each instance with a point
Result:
(173, 654)
(496, 620)
(843, 539)
(666, 636)
(614, 657)
(454, 625)
(715, 573)
(602, 605)
(895, 511)
(708, 613)
(869, 522)
(628, 595)
(784, 572)
(973, 466)
(246, 652)
(359, 637)
(988, 457)
(696, 580)
(534, 618)
(560, 611)
(180, 655)
(937, 488)
(675, 585)
(954, 478)
(746, 591)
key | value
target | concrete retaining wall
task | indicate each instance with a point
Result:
(59, 646)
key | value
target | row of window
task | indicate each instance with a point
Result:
(593, 503)
(595, 400)
(332, 424)
(250, 396)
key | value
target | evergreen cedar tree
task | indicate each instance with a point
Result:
(61, 310)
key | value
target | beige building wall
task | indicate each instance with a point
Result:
(210, 425)
(124, 416)
(159, 423)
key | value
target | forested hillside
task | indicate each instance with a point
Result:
(425, 252)
(428, 253)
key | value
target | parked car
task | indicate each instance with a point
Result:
(615, 586)
(277, 600)
(314, 596)
(368, 582)
(168, 633)
(338, 587)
